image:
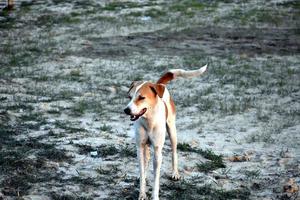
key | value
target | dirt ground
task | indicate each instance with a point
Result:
(65, 68)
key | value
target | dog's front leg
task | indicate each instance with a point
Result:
(157, 160)
(141, 142)
(140, 151)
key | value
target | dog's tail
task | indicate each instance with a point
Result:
(174, 73)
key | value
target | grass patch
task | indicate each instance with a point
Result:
(290, 4)
(107, 19)
(6, 132)
(128, 151)
(210, 166)
(82, 106)
(31, 116)
(59, 196)
(116, 6)
(7, 22)
(68, 127)
(234, 106)
(75, 73)
(263, 116)
(84, 149)
(191, 7)
(109, 171)
(190, 190)
(222, 104)
(106, 128)
(255, 15)
(113, 6)
(107, 150)
(54, 111)
(25, 4)
(66, 94)
(84, 181)
(30, 119)
(18, 185)
(136, 14)
(272, 128)
(260, 137)
(130, 191)
(153, 12)
(20, 171)
(53, 18)
(185, 5)
(185, 147)
(135, 77)
(263, 16)
(54, 154)
(102, 150)
(18, 106)
(252, 174)
(216, 161)
(42, 78)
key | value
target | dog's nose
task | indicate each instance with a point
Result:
(127, 111)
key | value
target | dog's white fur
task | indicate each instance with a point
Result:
(188, 74)
(152, 125)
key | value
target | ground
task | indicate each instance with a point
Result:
(65, 68)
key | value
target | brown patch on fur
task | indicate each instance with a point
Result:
(158, 89)
(146, 92)
(167, 77)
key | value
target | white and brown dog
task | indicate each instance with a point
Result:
(153, 110)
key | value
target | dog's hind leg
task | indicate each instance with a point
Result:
(171, 129)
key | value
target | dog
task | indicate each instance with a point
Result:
(153, 112)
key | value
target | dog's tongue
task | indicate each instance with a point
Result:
(134, 117)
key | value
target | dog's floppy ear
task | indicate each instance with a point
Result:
(158, 89)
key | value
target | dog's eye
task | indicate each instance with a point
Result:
(141, 97)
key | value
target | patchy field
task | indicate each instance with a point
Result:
(64, 71)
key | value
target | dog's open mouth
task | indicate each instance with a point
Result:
(135, 117)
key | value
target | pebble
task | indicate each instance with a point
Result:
(94, 153)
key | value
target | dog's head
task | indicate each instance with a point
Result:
(143, 97)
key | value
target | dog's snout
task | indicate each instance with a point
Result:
(127, 111)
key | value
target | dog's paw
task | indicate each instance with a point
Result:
(143, 197)
(175, 176)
